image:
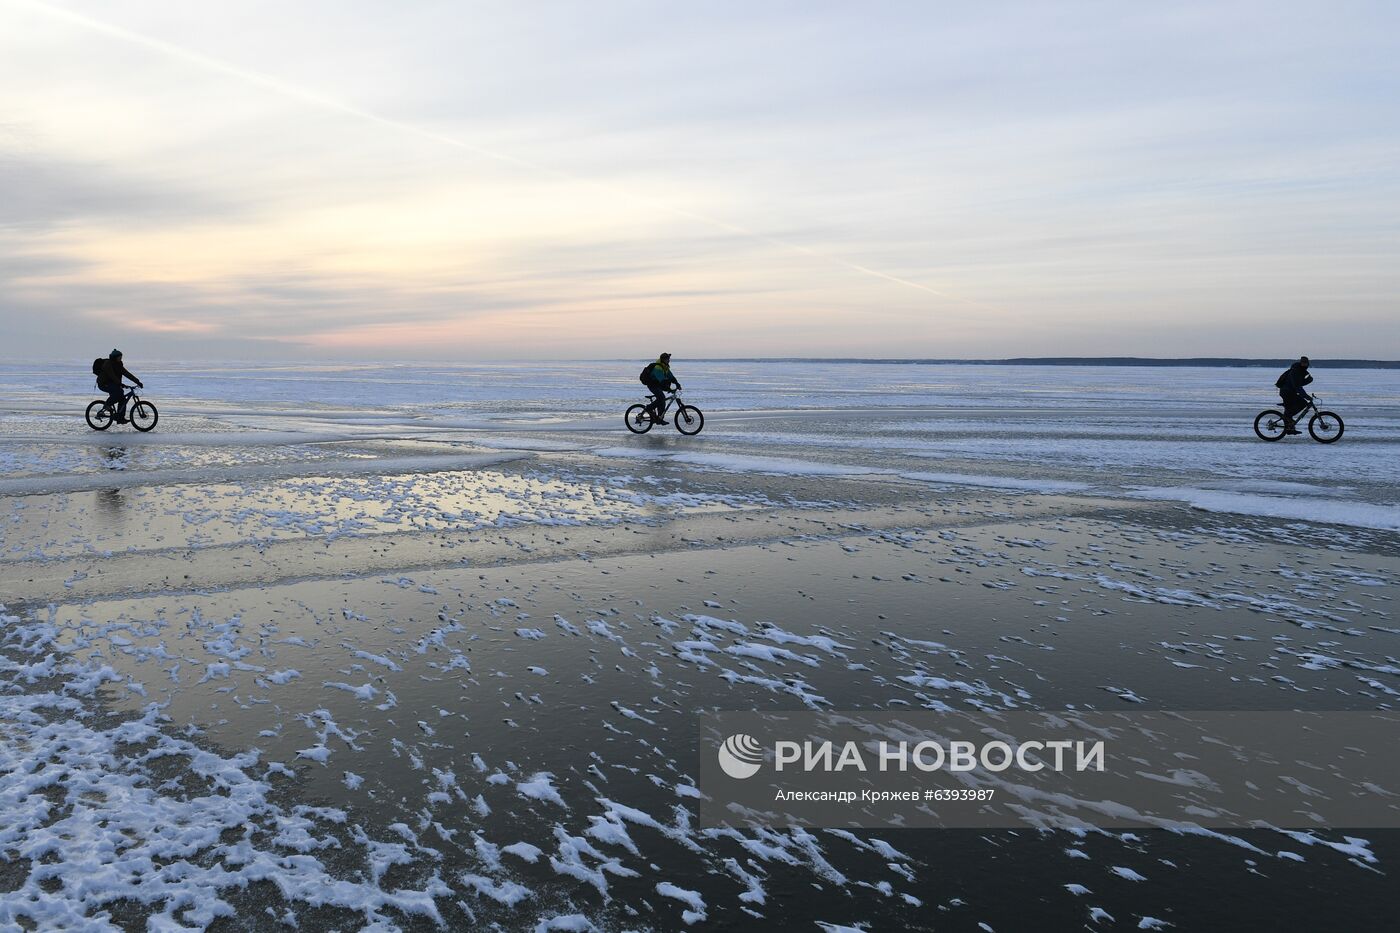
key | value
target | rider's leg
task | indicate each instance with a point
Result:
(116, 398)
(1292, 405)
(659, 406)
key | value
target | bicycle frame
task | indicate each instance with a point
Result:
(671, 398)
(131, 397)
(1310, 406)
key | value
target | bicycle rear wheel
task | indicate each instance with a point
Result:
(1270, 425)
(144, 416)
(689, 419)
(638, 419)
(1326, 427)
(99, 416)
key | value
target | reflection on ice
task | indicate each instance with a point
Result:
(496, 729)
(335, 507)
(110, 505)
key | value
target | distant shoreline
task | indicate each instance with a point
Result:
(1203, 361)
(1208, 362)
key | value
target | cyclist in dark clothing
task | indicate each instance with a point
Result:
(109, 380)
(658, 378)
(1290, 389)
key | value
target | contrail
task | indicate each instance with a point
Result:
(320, 101)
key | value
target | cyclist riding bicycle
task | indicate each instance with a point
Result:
(109, 380)
(1290, 389)
(658, 378)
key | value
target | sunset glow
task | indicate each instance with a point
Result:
(496, 182)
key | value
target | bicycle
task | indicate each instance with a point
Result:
(1325, 427)
(688, 419)
(142, 414)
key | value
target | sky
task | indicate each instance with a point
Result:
(440, 179)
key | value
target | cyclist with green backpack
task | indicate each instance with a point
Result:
(658, 378)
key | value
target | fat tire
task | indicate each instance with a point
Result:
(638, 419)
(689, 420)
(99, 416)
(139, 412)
(1323, 416)
(1262, 419)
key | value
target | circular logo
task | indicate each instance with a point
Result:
(741, 756)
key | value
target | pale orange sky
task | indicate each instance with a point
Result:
(489, 181)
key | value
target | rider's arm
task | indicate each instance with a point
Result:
(127, 373)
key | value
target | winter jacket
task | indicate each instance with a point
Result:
(1293, 380)
(660, 374)
(111, 376)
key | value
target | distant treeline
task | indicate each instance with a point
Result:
(1219, 361)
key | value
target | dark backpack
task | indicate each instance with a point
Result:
(1283, 378)
(646, 373)
(97, 365)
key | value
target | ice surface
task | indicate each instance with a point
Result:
(1115, 433)
(1297, 508)
(117, 826)
(498, 736)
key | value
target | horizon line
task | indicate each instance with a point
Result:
(1223, 361)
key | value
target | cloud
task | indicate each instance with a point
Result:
(45, 192)
(162, 325)
(1080, 177)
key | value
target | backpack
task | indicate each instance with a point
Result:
(97, 365)
(646, 373)
(1278, 384)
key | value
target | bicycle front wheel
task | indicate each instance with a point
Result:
(1270, 425)
(638, 419)
(99, 416)
(144, 416)
(1326, 427)
(689, 419)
